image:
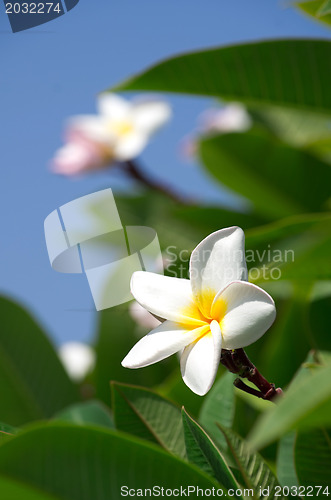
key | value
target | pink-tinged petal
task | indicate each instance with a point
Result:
(76, 158)
(245, 313)
(142, 317)
(166, 297)
(200, 361)
(160, 343)
(215, 262)
(91, 127)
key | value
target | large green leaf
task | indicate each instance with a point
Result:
(296, 127)
(313, 458)
(14, 490)
(147, 415)
(294, 248)
(255, 472)
(174, 389)
(89, 412)
(202, 452)
(306, 405)
(291, 73)
(289, 339)
(34, 384)
(286, 471)
(207, 219)
(84, 463)
(277, 178)
(219, 406)
(6, 431)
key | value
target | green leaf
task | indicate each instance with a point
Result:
(294, 248)
(90, 412)
(286, 471)
(255, 472)
(298, 128)
(254, 73)
(83, 463)
(147, 415)
(14, 490)
(6, 431)
(202, 452)
(278, 179)
(218, 406)
(324, 9)
(207, 219)
(306, 405)
(115, 337)
(319, 9)
(289, 339)
(34, 384)
(313, 458)
(174, 389)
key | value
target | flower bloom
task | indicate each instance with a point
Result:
(217, 308)
(119, 132)
(230, 118)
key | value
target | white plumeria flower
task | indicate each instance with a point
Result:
(215, 309)
(119, 132)
(230, 118)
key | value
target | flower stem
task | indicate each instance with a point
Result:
(135, 171)
(237, 361)
(246, 388)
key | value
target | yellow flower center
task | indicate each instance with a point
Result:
(197, 319)
(120, 127)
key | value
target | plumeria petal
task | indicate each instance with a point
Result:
(92, 127)
(142, 317)
(163, 341)
(215, 262)
(130, 145)
(150, 115)
(200, 360)
(246, 312)
(166, 297)
(114, 107)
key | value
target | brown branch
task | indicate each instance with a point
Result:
(135, 172)
(246, 388)
(237, 361)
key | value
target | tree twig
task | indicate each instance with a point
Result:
(237, 361)
(135, 172)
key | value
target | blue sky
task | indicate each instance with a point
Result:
(53, 71)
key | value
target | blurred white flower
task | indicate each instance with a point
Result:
(142, 317)
(77, 358)
(230, 118)
(119, 132)
(217, 308)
